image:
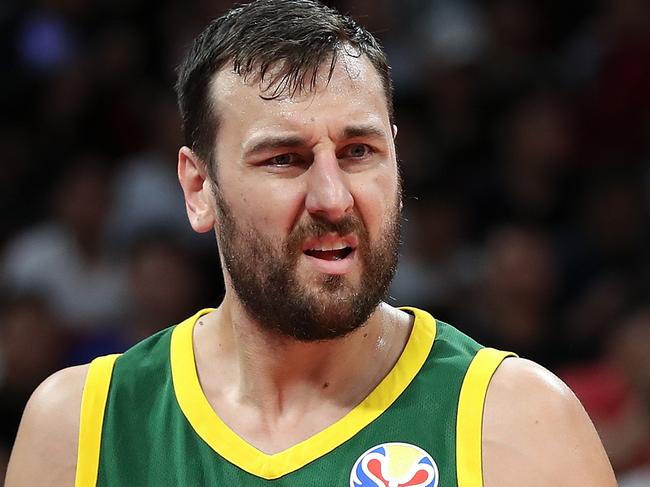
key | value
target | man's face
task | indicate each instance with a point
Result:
(307, 202)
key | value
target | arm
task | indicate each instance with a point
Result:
(536, 433)
(45, 451)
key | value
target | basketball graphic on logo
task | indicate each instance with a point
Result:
(394, 465)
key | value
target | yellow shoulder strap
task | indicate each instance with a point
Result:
(469, 425)
(93, 402)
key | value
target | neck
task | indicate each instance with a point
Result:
(273, 374)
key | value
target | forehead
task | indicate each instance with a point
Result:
(353, 93)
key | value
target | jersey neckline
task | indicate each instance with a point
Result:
(225, 442)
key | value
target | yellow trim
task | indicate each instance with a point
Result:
(469, 426)
(230, 446)
(93, 403)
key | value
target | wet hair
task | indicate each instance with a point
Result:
(279, 43)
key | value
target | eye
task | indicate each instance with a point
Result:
(356, 151)
(284, 160)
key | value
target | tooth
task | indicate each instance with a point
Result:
(328, 247)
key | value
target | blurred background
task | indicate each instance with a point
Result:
(524, 138)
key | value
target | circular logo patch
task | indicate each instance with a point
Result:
(394, 465)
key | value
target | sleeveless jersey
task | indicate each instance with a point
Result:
(145, 422)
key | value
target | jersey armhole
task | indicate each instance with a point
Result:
(93, 403)
(469, 422)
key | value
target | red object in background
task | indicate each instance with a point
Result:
(617, 411)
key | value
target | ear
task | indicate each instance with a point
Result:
(394, 131)
(197, 189)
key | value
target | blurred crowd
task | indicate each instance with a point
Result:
(524, 142)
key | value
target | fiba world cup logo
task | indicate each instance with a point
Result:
(394, 465)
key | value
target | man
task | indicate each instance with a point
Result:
(302, 376)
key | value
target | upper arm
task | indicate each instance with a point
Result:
(45, 451)
(536, 432)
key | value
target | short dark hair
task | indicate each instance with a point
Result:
(296, 36)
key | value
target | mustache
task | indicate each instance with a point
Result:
(318, 227)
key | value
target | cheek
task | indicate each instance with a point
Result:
(269, 205)
(375, 200)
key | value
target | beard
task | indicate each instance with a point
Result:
(265, 278)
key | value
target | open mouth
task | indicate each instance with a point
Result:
(330, 247)
(334, 254)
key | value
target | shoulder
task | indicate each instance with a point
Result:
(45, 451)
(536, 432)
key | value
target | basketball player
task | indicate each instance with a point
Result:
(301, 376)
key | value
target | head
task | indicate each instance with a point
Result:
(287, 113)
(31, 341)
(280, 43)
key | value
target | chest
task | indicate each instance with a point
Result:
(411, 442)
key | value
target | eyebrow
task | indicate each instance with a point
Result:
(353, 131)
(273, 142)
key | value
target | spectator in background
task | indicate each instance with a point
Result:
(145, 187)
(509, 112)
(604, 256)
(66, 258)
(615, 391)
(17, 169)
(512, 306)
(438, 265)
(526, 180)
(31, 348)
(164, 286)
(616, 109)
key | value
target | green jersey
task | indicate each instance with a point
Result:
(145, 421)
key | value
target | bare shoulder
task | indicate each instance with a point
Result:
(536, 432)
(45, 451)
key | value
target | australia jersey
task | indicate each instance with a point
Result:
(146, 422)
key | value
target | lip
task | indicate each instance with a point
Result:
(349, 240)
(333, 267)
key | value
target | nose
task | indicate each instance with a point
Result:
(328, 193)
